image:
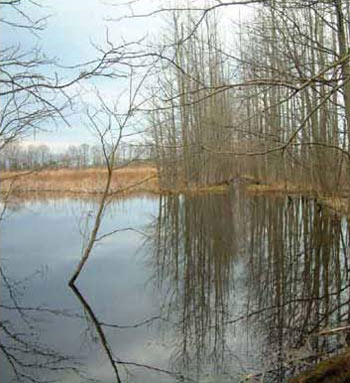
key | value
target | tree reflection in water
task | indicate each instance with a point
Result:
(29, 358)
(247, 285)
(277, 267)
(114, 361)
(196, 241)
(299, 277)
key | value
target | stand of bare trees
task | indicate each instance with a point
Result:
(300, 115)
(195, 115)
(275, 105)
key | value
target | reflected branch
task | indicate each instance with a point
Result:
(29, 359)
(176, 375)
(292, 287)
(104, 342)
(99, 331)
(136, 325)
(120, 230)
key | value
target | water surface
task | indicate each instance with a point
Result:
(207, 288)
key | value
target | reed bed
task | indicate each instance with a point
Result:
(80, 181)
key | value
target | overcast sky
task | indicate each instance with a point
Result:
(73, 26)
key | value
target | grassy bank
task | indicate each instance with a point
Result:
(333, 370)
(336, 200)
(80, 181)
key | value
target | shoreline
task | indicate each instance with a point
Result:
(136, 179)
(337, 202)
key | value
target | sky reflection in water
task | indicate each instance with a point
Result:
(207, 262)
(41, 242)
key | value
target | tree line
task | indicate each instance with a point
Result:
(19, 157)
(273, 103)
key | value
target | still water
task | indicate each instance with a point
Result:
(208, 288)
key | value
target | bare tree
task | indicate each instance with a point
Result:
(287, 101)
(110, 125)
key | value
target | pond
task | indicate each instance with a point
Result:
(205, 288)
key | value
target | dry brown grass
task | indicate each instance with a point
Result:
(197, 190)
(82, 181)
(279, 187)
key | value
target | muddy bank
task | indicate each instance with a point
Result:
(336, 201)
(333, 370)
